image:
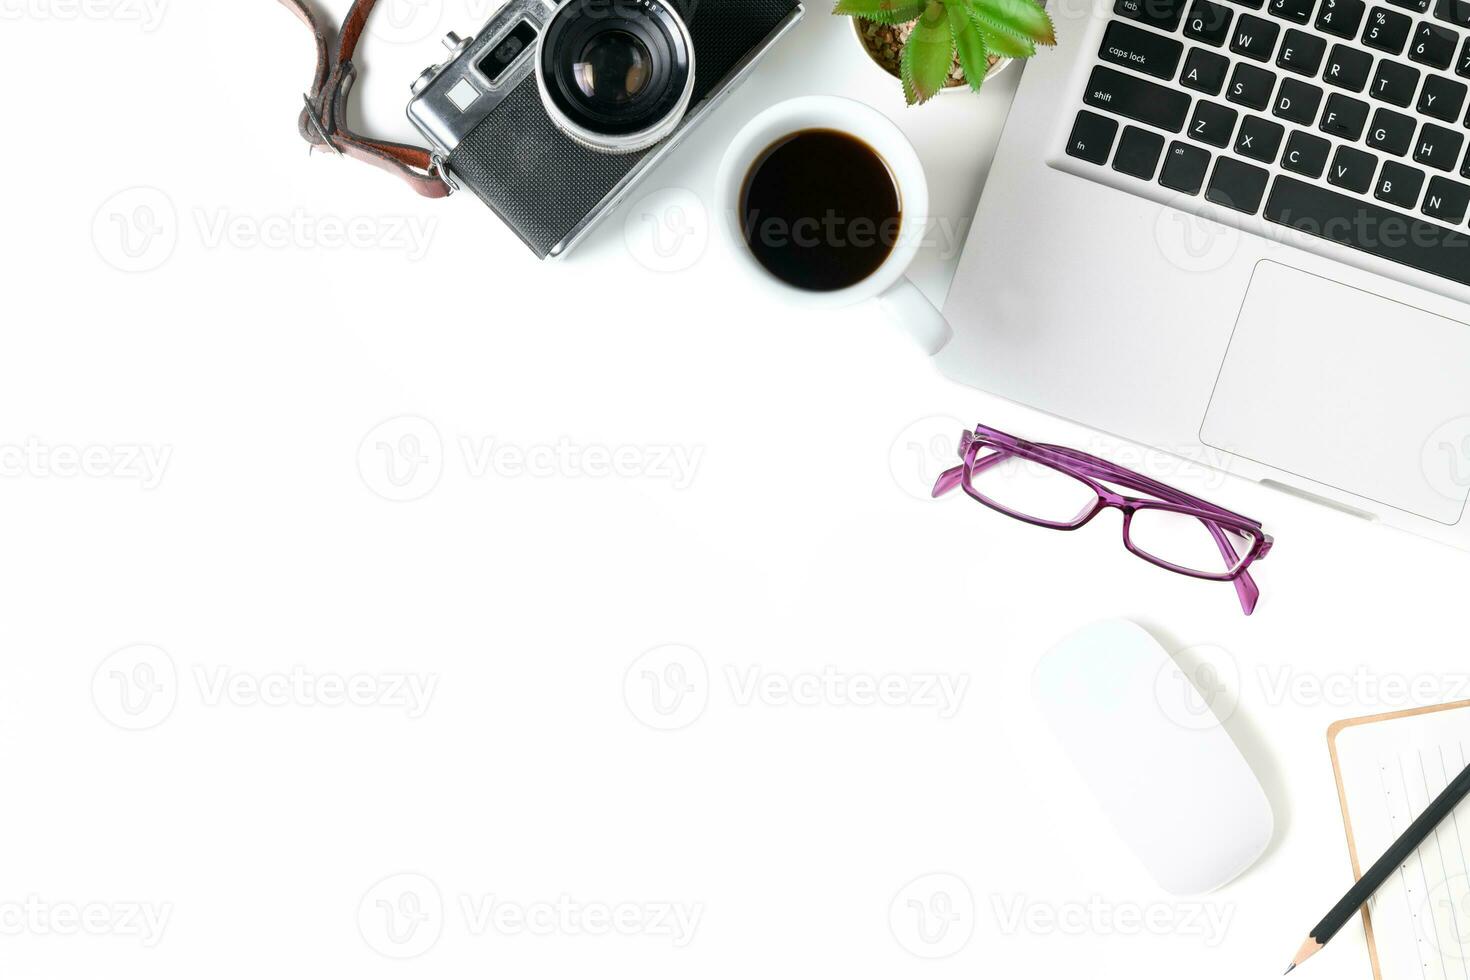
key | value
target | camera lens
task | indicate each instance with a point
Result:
(615, 68)
(616, 75)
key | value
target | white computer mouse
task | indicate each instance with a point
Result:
(1178, 792)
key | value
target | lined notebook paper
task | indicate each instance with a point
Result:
(1389, 769)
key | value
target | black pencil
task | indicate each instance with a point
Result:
(1396, 855)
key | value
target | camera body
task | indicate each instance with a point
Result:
(495, 130)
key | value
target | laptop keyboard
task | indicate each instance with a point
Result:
(1341, 119)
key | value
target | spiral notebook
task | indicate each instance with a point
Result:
(1389, 768)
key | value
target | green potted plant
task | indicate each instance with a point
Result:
(934, 45)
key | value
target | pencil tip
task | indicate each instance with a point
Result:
(1289, 969)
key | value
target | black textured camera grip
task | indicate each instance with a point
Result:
(542, 183)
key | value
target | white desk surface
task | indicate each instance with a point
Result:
(262, 824)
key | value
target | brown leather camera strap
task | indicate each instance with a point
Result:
(323, 122)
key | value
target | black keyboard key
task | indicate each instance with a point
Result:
(1387, 30)
(1447, 200)
(1438, 147)
(1394, 82)
(1141, 50)
(1462, 67)
(1455, 12)
(1433, 45)
(1092, 137)
(1302, 53)
(1259, 139)
(1352, 169)
(1465, 167)
(1251, 86)
(1399, 185)
(1391, 132)
(1297, 102)
(1417, 6)
(1306, 154)
(1399, 238)
(1184, 168)
(1140, 100)
(1296, 11)
(1348, 68)
(1212, 123)
(1254, 37)
(1237, 185)
(1163, 14)
(1341, 18)
(1208, 22)
(1442, 98)
(1204, 71)
(1253, 4)
(1344, 117)
(1138, 153)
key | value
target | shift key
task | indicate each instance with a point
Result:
(1145, 51)
(1128, 95)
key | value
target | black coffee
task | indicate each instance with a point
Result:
(821, 210)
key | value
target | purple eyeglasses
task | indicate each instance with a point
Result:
(1060, 488)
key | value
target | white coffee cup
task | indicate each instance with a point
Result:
(890, 283)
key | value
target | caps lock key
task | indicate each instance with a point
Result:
(1141, 50)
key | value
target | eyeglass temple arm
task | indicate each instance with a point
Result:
(1245, 586)
(953, 476)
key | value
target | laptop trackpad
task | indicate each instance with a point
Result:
(1349, 389)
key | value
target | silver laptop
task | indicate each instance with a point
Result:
(1237, 232)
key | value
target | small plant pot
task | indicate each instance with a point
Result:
(883, 43)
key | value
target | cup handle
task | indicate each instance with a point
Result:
(912, 311)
